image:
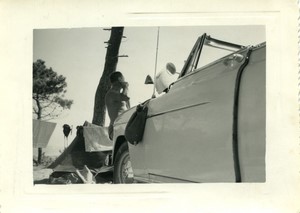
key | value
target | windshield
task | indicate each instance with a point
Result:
(204, 44)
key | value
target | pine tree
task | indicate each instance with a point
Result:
(48, 94)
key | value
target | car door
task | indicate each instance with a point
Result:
(188, 135)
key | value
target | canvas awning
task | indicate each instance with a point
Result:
(42, 131)
(96, 138)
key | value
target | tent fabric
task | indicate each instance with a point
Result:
(42, 131)
(96, 138)
(86, 175)
(75, 157)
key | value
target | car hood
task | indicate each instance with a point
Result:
(125, 116)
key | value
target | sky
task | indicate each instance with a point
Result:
(79, 55)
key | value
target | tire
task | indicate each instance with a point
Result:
(123, 172)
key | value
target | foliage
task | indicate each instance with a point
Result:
(48, 92)
(45, 160)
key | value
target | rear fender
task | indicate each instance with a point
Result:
(119, 141)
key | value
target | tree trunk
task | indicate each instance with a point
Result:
(111, 61)
(39, 116)
(40, 152)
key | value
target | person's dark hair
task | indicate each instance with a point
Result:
(116, 77)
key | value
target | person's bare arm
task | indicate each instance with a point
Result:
(124, 93)
(124, 86)
(128, 104)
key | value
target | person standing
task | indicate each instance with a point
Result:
(116, 99)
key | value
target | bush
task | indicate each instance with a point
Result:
(45, 160)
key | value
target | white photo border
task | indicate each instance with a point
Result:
(277, 194)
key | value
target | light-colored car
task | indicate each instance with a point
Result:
(209, 126)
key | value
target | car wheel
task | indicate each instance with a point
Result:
(123, 172)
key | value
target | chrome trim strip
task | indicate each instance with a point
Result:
(179, 179)
(174, 110)
(235, 142)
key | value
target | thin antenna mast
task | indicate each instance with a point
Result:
(154, 80)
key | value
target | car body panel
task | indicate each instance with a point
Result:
(137, 155)
(188, 136)
(252, 118)
(189, 133)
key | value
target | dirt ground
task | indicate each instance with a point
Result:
(41, 176)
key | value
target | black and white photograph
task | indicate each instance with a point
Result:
(149, 106)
